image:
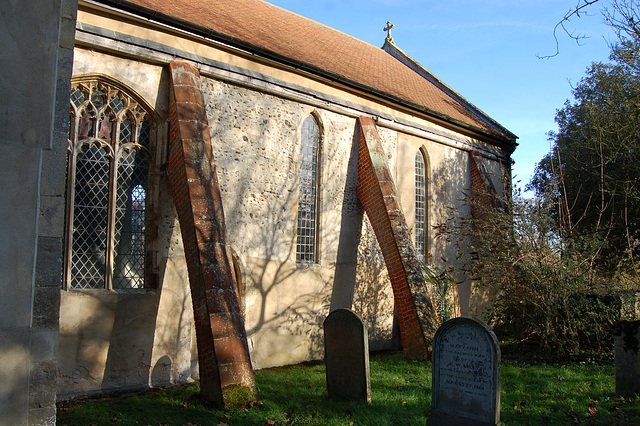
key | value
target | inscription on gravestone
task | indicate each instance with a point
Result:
(346, 346)
(466, 374)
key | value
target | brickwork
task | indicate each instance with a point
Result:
(378, 195)
(223, 353)
(482, 189)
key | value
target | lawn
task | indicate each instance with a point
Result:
(400, 391)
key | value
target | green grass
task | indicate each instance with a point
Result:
(564, 394)
(400, 392)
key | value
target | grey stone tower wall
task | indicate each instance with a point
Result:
(37, 39)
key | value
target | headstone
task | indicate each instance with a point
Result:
(346, 349)
(627, 355)
(466, 374)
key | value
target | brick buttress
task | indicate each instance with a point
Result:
(378, 195)
(226, 375)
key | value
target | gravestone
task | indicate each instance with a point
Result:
(627, 354)
(346, 349)
(466, 374)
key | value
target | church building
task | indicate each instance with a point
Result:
(216, 169)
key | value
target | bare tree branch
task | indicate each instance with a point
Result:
(624, 17)
(578, 11)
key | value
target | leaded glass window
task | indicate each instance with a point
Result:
(306, 246)
(91, 214)
(421, 205)
(107, 188)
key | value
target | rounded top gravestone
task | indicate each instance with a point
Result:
(346, 343)
(466, 374)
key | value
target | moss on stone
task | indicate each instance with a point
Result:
(237, 396)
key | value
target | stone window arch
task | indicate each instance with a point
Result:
(421, 172)
(308, 202)
(110, 158)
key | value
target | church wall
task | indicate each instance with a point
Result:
(148, 80)
(447, 171)
(114, 340)
(255, 138)
(174, 356)
(448, 176)
(131, 339)
(480, 297)
(128, 340)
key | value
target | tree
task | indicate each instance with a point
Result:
(593, 170)
(559, 267)
(624, 17)
(592, 173)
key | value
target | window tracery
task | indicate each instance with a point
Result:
(109, 159)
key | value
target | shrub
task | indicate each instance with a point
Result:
(544, 289)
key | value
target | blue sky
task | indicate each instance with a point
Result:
(486, 51)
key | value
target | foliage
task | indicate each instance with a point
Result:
(592, 174)
(558, 263)
(623, 16)
(544, 293)
(531, 394)
(444, 291)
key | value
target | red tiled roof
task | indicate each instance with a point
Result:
(285, 33)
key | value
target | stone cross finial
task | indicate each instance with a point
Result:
(388, 30)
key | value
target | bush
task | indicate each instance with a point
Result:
(544, 289)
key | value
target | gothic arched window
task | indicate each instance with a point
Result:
(107, 187)
(306, 246)
(421, 205)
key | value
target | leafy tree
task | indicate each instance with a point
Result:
(592, 173)
(561, 268)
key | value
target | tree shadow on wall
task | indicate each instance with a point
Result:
(450, 194)
(361, 282)
(373, 294)
(286, 301)
(289, 298)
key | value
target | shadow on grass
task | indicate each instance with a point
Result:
(399, 391)
(401, 395)
(289, 395)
